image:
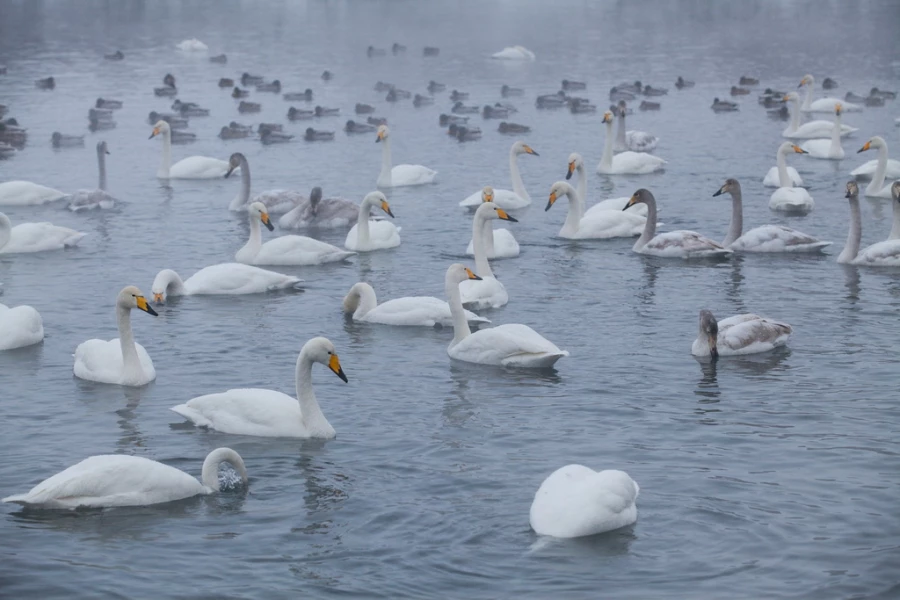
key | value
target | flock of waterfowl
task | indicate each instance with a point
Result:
(574, 500)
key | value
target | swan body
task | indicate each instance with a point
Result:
(327, 213)
(20, 326)
(881, 254)
(514, 53)
(829, 149)
(424, 311)
(192, 45)
(575, 501)
(275, 201)
(98, 198)
(223, 279)
(367, 235)
(576, 165)
(120, 361)
(26, 193)
(673, 244)
(267, 413)
(636, 141)
(813, 129)
(625, 163)
(35, 237)
(499, 243)
(877, 188)
(486, 291)
(782, 175)
(791, 199)
(515, 198)
(601, 224)
(192, 167)
(120, 480)
(511, 345)
(822, 104)
(399, 175)
(740, 334)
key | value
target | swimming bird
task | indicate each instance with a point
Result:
(486, 291)
(399, 175)
(740, 334)
(514, 199)
(366, 235)
(879, 169)
(822, 104)
(782, 175)
(35, 237)
(320, 213)
(192, 167)
(229, 279)
(59, 140)
(98, 198)
(601, 224)
(425, 311)
(880, 254)
(828, 149)
(812, 129)
(499, 243)
(673, 244)
(636, 141)
(22, 326)
(628, 162)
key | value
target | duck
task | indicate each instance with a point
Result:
(397, 49)
(366, 235)
(373, 51)
(394, 94)
(364, 109)
(652, 91)
(435, 87)
(121, 361)
(376, 121)
(117, 55)
(35, 237)
(274, 86)
(108, 103)
(681, 83)
(813, 129)
(229, 279)
(112, 480)
(420, 100)
(227, 133)
(829, 84)
(822, 104)
(383, 86)
(190, 109)
(576, 165)
(746, 80)
(514, 199)
(27, 193)
(247, 79)
(192, 167)
(737, 335)
(635, 141)
(465, 134)
(22, 326)
(827, 149)
(628, 162)
(765, 238)
(486, 291)
(601, 224)
(98, 198)
(573, 86)
(616, 94)
(513, 128)
(224, 82)
(220, 59)
(306, 95)
(267, 413)
(284, 250)
(268, 137)
(724, 105)
(322, 111)
(457, 96)
(430, 51)
(357, 127)
(499, 243)
(551, 101)
(327, 75)
(739, 91)
(878, 170)
(576, 501)
(445, 120)
(239, 93)
(514, 53)
(313, 135)
(48, 83)
(174, 121)
(880, 254)
(461, 109)
(328, 213)
(424, 311)
(509, 345)
(299, 114)
(673, 244)
(644, 105)
(578, 106)
(249, 107)
(59, 140)
(399, 175)
(782, 175)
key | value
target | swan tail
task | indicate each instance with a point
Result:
(17, 499)
(73, 240)
(192, 415)
(540, 360)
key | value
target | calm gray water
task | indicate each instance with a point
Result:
(768, 476)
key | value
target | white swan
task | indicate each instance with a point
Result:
(510, 345)
(828, 149)
(515, 198)
(399, 175)
(514, 53)
(284, 250)
(98, 198)
(575, 501)
(222, 279)
(576, 165)
(321, 213)
(425, 311)
(600, 224)
(765, 238)
(192, 45)
(192, 167)
(740, 334)
(35, 237)
(20, 326)
(498, 243)
(881, 254)
(267, 413)
(822, 104)
(882, 168)
(275, 201)
(26, 193)
(368, 235)
(782, 175)
(120, 361)
(813, 129)
(636, 141)
(673, 244)
(625, 163)
(121, 480)
(486, 291)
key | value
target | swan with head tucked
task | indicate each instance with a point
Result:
(20, 326)
(399, 175)
(486, 291)
(782, 175)
(880, 254)
(813, 129)
(99, 198)
(285, 250)
(883, 169)
(425, 311)
(575, 501)
(35, 237)
(121, 480)
(514, 53)
(576, 165)
(636, 141)
(367, 235)
(120, 361)
(510, 345)
(26, 193)
(499, 243)
(828, 149)
(625, 163)
(600, 224)
(822, 104)
(224, 279)
(267, 413)
(321, 213)
(673, 244)
(275, 201)
(515, 198)
(740, 334)
(192, 167)
(765, 238)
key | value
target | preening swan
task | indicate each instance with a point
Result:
(576, 165)
(788, 198)
(275, 201)
(740, 334)
(498, 243)
(20, 326)
(35, 237)
(881, 254)
(782, 175)
(510, 345)
(425, 311)
(636, 141)
(600, 224)
(120, 361)
(267, 413)
(514, 53)
(625, 163)
(828, 149)
(486, 291)
(322, 213)
(121, 480)
(822, 104)
(26, 193)
(880, 169)
(192, 167)
(284, 250)
(575, 501)
(515, 198)
(222, 279)
(192, 45)
(813, 129)
(99, 198)
(674, 244)
(765, 238)
(400, 175)
(368, 235)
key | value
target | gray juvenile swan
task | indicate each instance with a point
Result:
(99, 198)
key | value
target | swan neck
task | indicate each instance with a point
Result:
(130, 359)
(576, 210)
(479, 233)
(895, 228)
(582, 187)
(385, 177)
(880, 169)
(851, 249)
(366, 301)
(362, 225)
(807, 100)
(620, 131)
(253, 244)
(5, 230)
(488, 234)
(310, 411)
(460, 325)
(606, 159)
(784, 179)
(649, 226)
(165, 164)
(795, 115)
(209, 476)
(516, 177)
(737, 218)
(101, 164)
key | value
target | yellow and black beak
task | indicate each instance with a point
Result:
(230, 170)
(142, 305)
(264, 217)
(802, 82)
(550, 201)
(379, 137)
(335, 365)
(631, 202)
(786, 98)
(530, 150)
(865, 147)
(505, 216)
(571, 170)
(154, 133)
(488, 198)
(607, 117)
(159, 298)
(472, 275)
(720, 192)
(800, 150)
(386, 208)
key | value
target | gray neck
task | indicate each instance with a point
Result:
(516, 177)
(5, 230)
(851, 249)
(479, 233)
(243, 198)
(460, 325)
(101, 163)
(649, 227)
(737, 218)
(895, 228)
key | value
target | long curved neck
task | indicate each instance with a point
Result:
(130, 359)
(737, 218)
(649, 227)
(488, 235)
(169, 282)
(880, 169)
(365, 301)
(460, 325)
(385, 176)
(517, 184)
(835, 135)
(209, 476)
(255, 242)
(479, 233)
(784, 179)
(895, 228)
(362, 225)
(851, 249)
(620, 130)
(310, 411)
(582, 186)
(243, 197)
(101, 164)
(576, 210)
(165, 164)
(810, 90)
(606, 159)
(795, 114)
(5, 230)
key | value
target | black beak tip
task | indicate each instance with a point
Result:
(477, 278)
(151, 136)
(228, 173)
(151, 311)
(390, 214)
(535, 153)
(569, 175)
(627, 206)
(860, 150)
(549, 204)
(717, 193)
(343, 377)
(512, 219)
(269, 226)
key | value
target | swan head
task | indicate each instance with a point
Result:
(487, 194)
(315, 196)
(791, 97)
(709, 327)
(161, 127)
(489, 210)
(321, 350)
(838, 109)
(575, 162)
(807, 80)
(875, 142)
(853, 190)
(731, 186)
(642, 195)
(622, 107)
(380, 200)
(791, 147)
(234, 162)
(457, 273)
(354, 296)
(607, 117)
(259, 211)
(383, 133)
(558, 189)
(169, 80)
(101, 148)
(895, 191)
(523, 148)
(131, 297)
(161, 284)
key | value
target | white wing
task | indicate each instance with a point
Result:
(237, 278)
